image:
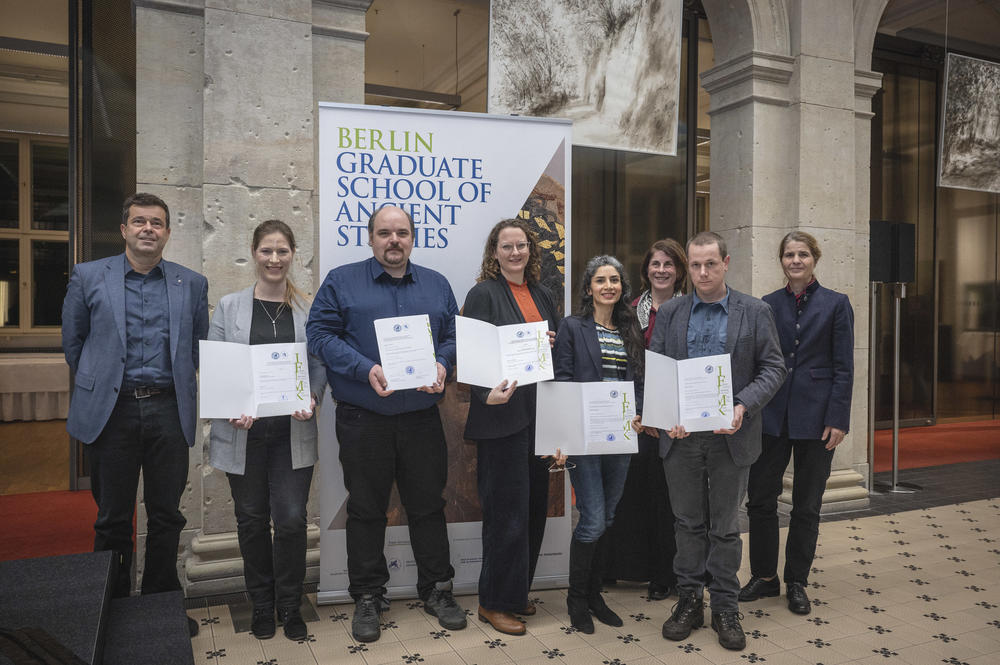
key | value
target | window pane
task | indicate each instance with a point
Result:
(8, 184)
(49, 273)
(9, 292)
(49, 187)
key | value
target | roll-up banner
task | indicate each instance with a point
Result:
(457, 174)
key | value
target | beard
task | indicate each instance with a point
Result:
(394, 256)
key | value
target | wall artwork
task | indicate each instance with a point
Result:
(610, 66)
(970, 139)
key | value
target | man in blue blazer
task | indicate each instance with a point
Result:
(707, 471)
(130, 330)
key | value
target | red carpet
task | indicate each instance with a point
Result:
(46, 524)
(50, 523)
(939, 444)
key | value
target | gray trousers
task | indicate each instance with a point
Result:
(706, 490)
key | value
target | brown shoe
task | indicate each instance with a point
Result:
(528, 611)
(504, 622)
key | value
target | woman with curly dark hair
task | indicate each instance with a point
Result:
(513, 482)
(601, 343)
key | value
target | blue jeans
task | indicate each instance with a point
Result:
(514, 495)
(270, 489)
(598, 481)
(701, 472)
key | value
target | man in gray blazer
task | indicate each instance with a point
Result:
(707, 471)
(130, 330)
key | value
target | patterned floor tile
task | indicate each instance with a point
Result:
(485, 655)
(896, 588)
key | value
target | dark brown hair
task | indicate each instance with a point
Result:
(622, 314)
(673, 249)
(145, 199)
(490, 268)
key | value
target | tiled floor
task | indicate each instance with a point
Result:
(914, 587)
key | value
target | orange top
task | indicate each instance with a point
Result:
(524, 302)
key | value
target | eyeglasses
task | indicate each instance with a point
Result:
(509, 249)
(555, 468)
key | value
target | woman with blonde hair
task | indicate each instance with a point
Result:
(269, 461)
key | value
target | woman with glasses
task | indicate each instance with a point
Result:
(642, 537)
(513, 481)
(269, 461)
(601, 343)
(807, 418)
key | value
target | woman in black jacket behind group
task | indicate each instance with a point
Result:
(513, 481)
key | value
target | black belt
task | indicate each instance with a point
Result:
(143, 392)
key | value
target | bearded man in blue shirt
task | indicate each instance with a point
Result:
(387, 435)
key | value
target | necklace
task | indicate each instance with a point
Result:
(272, 319)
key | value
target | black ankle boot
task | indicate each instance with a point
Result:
(580, 557)
(292, 623)
(595, 602)
(262, 624)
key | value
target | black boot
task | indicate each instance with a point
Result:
(580, 557)
(595, 602)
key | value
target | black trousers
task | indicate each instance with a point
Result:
(514, 495)
(812, 468)
(375, 450)
(641, 540)
(270, 489)
(141, 434)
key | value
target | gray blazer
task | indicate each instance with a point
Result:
(227, 444)
(757, 364)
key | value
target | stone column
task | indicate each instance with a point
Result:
(262, 61)
(790, 111)
(169, 80)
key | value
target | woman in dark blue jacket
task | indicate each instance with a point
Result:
(809, 417)
(601, 343)
(513, 482)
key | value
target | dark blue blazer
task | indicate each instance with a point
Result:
(576, 355)
(93, 338)
(818, 349)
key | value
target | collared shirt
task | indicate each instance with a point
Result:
(706, 334)
(341, 330)
(147, 328)
(802, 297)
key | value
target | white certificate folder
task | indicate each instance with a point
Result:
(696, 393)
(488, 354)
(585, 418)
(406, 351)
(259, 380)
